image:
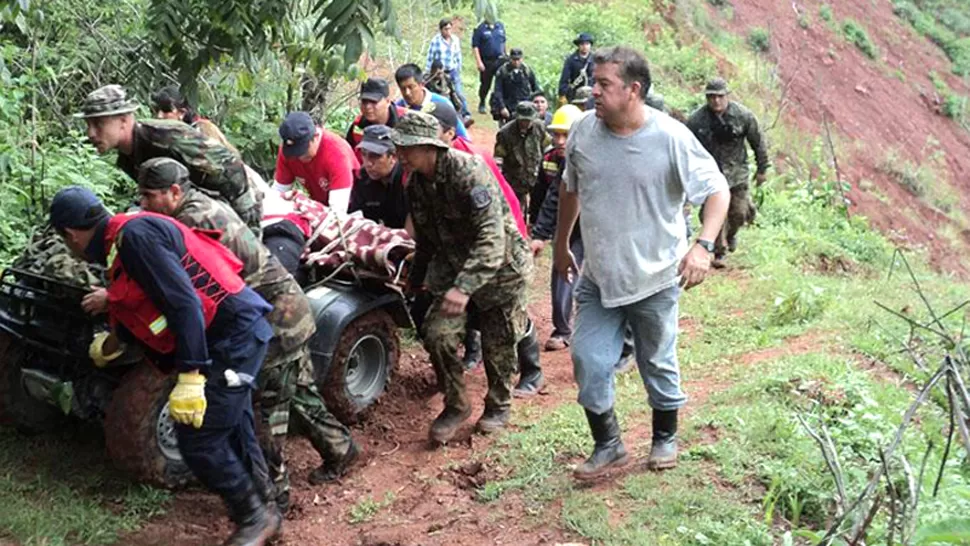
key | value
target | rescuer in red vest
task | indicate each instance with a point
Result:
(179, 293)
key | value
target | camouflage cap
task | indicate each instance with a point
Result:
(417, 129)
(717, 86)
(160, 173)
(582, 95)
(110, 100)
(525, 110)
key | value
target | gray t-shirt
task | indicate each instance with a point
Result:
(631, 194)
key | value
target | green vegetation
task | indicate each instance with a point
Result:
(367, 508)
(759, 40)
(60, 500)
(927, 179)
(825, 12)
(856, 33)
(945, 22)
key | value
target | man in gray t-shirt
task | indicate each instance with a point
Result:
(631, 168)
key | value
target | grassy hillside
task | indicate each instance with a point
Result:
(791, 333)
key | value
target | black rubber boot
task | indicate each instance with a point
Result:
(530, 369)
(473, 350)
(446, 424)
(333, 470)
(663, 451)
(608, 451)
(256, 522)
(493, 420)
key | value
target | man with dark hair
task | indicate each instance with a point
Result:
(541, 102)
(723, 126)
(375, 109)
(169, 103)
(379, 191)
(446, 48)
(636, 257)
(322, 161)
(577, 69)
(286, 381)
(110, 118)
(415, 96)
(514, 82)
(488, 44)
(180, 295)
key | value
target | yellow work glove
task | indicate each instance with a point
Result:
(186, 403)
(97, 349)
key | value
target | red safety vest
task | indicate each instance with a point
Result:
(214, 271)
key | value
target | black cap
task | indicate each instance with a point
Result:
(584, 37)
(445, 114)
(516, 53)
(76, 207)
(297, 131)
(377, 139)
(374, 89)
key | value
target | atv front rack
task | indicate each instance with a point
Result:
(45, 313)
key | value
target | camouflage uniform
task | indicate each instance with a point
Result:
(442, 85)
(468, 239)
(724, 137)
(520, 152)
(286, 378)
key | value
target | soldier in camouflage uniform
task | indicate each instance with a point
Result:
(286, 379)
(723, 126)
(212, 167)
(519, 147)
(468, 243)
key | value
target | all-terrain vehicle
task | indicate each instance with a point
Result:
(46, 375)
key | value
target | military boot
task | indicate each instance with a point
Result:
(256, 522)
(446, 424)
(333, 470)
(608, 451)
(530, 371)
(663, 450)
(493, 420)
(473, 350)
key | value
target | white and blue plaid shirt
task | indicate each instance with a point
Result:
(447, 51)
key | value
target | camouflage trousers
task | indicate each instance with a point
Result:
(502, 326)
(329, 437)
(277, 388)
(280, 398)
(741, 211)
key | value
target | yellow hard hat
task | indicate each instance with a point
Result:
(564, 117)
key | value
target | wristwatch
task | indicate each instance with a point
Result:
(706, 245)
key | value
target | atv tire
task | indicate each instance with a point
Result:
(139, 435)
(365, 358)
(17, 407)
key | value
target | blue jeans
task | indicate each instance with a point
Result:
(562, 296)
(598, 341)
(459, 88)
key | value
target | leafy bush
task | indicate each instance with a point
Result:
(944, 23)
(855, 33)
(759, 40)
(954, 106)
(825, 12)
(799, 306)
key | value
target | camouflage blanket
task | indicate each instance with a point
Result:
(337, 243)
(47, 255)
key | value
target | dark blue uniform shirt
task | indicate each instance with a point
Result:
(151, 251)
(490, 40)
(571, 70)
